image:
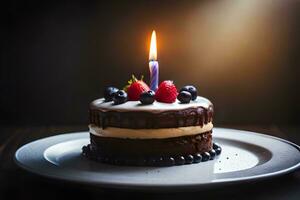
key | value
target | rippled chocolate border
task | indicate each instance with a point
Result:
(147, 120)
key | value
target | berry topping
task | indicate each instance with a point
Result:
(120, 97)
(205, 156)
(135, 87)
(171, 161)
(218, 150)
(212, 154)
(179, 160)
(197, 158)
(109, 93)
(215, 145)
(184, 97)
(191, 89)
(189, 159)
(166, 92)
(147, 97)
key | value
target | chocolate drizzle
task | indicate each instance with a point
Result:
(147, 120)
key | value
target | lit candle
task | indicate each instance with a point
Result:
(153, 64)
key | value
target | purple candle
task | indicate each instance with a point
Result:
(153, 64)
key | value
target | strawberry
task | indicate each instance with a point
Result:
(166, 92)
(135, 87)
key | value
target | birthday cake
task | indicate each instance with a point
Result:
(138, 126)
(151, 126)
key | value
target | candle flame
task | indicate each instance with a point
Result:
(153, 50)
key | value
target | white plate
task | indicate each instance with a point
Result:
(245, 156)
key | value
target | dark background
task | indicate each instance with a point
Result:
(56, 57)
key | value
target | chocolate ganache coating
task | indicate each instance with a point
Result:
(166, 151)
(159, 115)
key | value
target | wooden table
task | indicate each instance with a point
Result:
(16, 183)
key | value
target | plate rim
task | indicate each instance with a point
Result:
(159, 187)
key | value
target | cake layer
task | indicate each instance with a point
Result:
(134, 148)
(133, 115)
(149, 133)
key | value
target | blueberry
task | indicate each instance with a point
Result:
(197, 158)
(171, 161)
(184, 97)
(85, 149)
(218, 150)
(160, 161)
(166, 161)
(191, 89)
(109, 93)
(179, 160)
(147, 97)
(215, 145)
(212, 154)
(205, 156)
(120, 97)
(189, 159)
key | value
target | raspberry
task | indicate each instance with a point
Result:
(166, 92)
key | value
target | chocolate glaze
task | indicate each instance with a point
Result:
(146, 120)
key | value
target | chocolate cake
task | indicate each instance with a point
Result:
(154, 134)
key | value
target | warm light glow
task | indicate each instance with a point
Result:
(153, 50)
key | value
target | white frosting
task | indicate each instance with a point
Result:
(149, 133)
(156, 107)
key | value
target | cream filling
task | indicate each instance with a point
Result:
(149, 133)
